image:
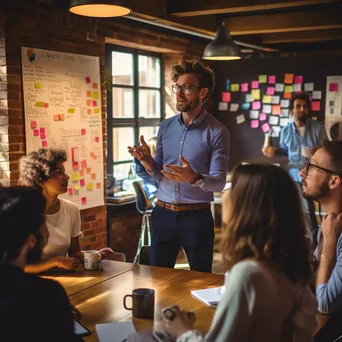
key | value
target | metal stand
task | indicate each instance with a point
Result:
(145, 230)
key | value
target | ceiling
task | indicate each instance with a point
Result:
(266, 25)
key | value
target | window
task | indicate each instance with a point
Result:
(134, 106)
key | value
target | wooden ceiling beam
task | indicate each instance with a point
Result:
(285, 22)
(183, 8)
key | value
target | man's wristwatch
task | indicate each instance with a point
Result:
(199, 181)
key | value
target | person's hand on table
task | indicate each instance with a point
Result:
(177, 321)
(106, 252)
(68, 263)
(184, 173)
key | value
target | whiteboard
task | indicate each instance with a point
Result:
(62, 104)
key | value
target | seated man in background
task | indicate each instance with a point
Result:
(322, 181)
(32, 308)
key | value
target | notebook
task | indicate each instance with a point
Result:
(210, 296)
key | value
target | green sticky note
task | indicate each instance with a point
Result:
(95, 95)
(39, 104)
(75, 177)
(256, 94)
(235, 87)
(266, 99)
(71, 110)
(90, 186)
(262, 78)
(288, 89)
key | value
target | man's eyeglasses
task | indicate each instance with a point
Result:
(186, 89)
(309, 166)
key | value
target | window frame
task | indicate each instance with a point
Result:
(134, 122)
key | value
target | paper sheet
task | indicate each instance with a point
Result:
(114, 332)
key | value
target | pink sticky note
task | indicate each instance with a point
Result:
(271, 79)
(226, 96)
(94, 103)
(70, 191)
(316, 106)
(36, 132)
(87, 79)
(44, 143)
(82, 182)
(42, 136)
(83, 164)
(255, 123)
(256, 105)
(298, 80)
(255, 84)
(262, 117)
(332, 87)
(244, 87)
(265, 127)
(97, 139)
(46, 105)
(33, 124)
(270, 91)
(42, 130)
(83, 131)
(84, 200)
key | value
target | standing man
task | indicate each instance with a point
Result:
(299, 140)
(191, 163)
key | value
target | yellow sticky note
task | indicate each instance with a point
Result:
(71, 110)
(262, 78)
(288, 89)
(267, 99)
(256, 94)
(97, 111)
(90, 186)
(235, 87)
(77, 186)
(39, 104)
(75, 177)
(95, 95)
(38, 85)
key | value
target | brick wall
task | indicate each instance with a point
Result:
(35, 23)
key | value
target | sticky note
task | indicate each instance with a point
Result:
(33, 124)
(88, 111)
(93, 176)
(42, 130)
(333, 87)
(317, 95)
(36, 132)
(276, 131)
(284, 103)
(267, 109)
(256, 94)
(98, 185)
(91, 154)
(38, 85)
(83, 131)
(288, 79)
(81, 173)
(255, 84)
(256, 105)
(266, 99)
(223, 106)
(308, 86)
(46, 105)
(88, 103)
(82, 182)
(275, 99)
(90, 186)
(262, 116)
(42, 136)
(276, 110)
(94, 103)
(74, 176)
(234, 107)
(254, 114)
(254, 123)
(95, 156)
(284, 112)
(97, 111)
(273, 120)
(84, 164)
(71, 110)
(297, 87)
(95, 85)
(287, 95)
(70, 191)
(244, 87)
(76, 187)
(235, 87)
(262, 78)
(265, 127)
(240, 119)
(56, 117)
(226, 96)
(298, 79)
(61, 117)
(39, 104)
(88, 93)
(95, 95)
(249, 98)
(76, 192)
(283, 122)
(97, 139)
(84, 200)
(315, 105)
(270, 91)
(288, 89)
(87, 79)
(44, 143)
(279, 87)
(271, 79)
(88, 170)
(245, 106)
(227, 85)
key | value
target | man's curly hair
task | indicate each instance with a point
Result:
(206, 77)
(37, 167)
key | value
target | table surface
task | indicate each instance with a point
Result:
(99, 294)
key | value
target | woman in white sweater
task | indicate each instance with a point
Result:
(268, 254)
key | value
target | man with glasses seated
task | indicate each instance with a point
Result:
(322, 181)
(299, 140)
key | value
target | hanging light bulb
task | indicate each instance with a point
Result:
(222, 48)
(99, 8)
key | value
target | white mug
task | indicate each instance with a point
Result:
(306, 151)
(92, 260)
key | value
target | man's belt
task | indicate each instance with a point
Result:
(183, 207)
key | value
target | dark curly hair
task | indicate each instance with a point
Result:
(334, 149)
(300, 96)
(37, 167)
(205, 75)
(265, 220)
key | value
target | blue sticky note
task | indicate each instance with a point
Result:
(246, 105)
(227, 85)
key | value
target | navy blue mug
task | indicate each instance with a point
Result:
(142, 303)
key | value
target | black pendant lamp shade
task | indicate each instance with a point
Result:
(222, 48)
(99, 8)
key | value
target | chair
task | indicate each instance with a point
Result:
(144, 206)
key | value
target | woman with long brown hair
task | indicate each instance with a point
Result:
(268, 253)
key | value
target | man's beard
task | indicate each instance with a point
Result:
(323, 191)
(302, 118)
(35, 254)
(186, 107)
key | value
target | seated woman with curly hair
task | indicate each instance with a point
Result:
(266, 295)
(45, 170)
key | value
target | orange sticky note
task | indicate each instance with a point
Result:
(95, 86)
(61, 117)
(88, 111)
(287, 95)
(91, 154)
(93, 176)
(276, 110)
(88, 170)
(95, 157)
(88, 102)
(98, 185)
(288, 79)
(81, 173)
(56, 117)
(88, 93)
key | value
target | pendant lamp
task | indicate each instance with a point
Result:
(222, 48)
(99, 8)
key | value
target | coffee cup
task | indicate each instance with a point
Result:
(92, 260)
(142, 303)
